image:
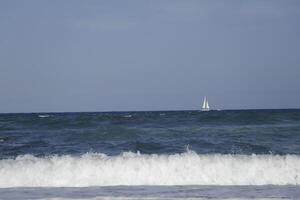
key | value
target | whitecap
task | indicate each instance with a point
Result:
(43, 116)
(129, 168)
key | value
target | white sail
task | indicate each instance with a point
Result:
(204, 103)
(205, 106)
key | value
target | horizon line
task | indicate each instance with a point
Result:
(167, 110)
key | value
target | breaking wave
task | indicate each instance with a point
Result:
(94, 169)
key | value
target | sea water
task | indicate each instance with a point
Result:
(241, 154)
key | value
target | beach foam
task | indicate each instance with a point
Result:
(93, 169)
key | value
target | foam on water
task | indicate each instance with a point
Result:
(43, 116)
(93, 169)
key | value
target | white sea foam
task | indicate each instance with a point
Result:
(189, 168)
(43, 116)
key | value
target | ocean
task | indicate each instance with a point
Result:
(226, 154)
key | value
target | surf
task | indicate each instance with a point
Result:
(189, 168)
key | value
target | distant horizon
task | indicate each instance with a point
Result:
(170, 110)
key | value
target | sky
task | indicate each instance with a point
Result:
(108, 55)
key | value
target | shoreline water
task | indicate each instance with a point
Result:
(154, 192)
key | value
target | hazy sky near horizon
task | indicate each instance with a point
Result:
(148, 55)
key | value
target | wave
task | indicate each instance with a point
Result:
(95, 169)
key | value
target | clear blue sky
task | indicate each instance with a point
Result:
(148, 55)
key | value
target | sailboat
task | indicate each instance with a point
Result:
(205, 106)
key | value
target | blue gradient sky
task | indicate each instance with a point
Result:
(148, 55)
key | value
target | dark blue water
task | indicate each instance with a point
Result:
(238, 154)
(225, 132)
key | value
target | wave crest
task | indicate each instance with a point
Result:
(95, 169)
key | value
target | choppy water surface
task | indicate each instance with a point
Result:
(179, 153)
